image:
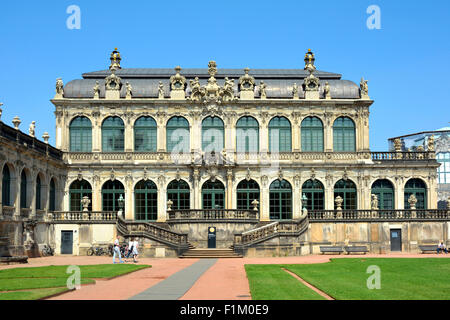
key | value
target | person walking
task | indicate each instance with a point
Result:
(117, 251)
(130, 248)
(135, 250)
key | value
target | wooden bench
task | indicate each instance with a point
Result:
(356, 249)
(331, 249)
(428, 248)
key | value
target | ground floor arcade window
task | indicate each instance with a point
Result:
(213, 195)
(146, 201)
(419, 189)
(111, 192)
(179, 193)
(247, 192)
(280, 200)
(346, 189)
(77, 190)
(313, 190)
(384, 190)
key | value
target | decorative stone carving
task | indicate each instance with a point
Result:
(309, 61)
(178, 175)
(80, 175)
(28, 234)
(1, 110)
(115, 60)
(46, 137)
(255, 204)
(161, 181)
(338, 202)
(280, 174)
(85, 202)
(112, 174)
(177, 85)
(327, 90)
(345, 175)
(262, 90)
(212, 173)
(96, 90)
(295, 91)
(431, 143)
(412, 200)
(264, 181)
(313, 174)
(32, 129)
(129, 90)
(169, 205)
(113, 84)
(374, 202)
(248, 177)
(247, 85)
(59, 89)
(161, 90)
(364, 89)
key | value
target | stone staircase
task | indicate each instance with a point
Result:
(210, 253)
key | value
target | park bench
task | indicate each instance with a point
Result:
(331, 249)
(428, 248)
(356, 249)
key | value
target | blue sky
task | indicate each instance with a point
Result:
(406, 61)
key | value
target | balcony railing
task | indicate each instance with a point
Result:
(82, 216)
(378, 215)
(213, 214)
(403, 156)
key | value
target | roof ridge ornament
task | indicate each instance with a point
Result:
(247, 85)
(364, 89)
(115, 60)
(177, 85)
(59, 89)
(309, 61)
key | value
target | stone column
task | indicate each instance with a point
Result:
(263, 137)
(329, 198)
(196, 188)
(296, 141)
(129, 137)
(328, 137)
(195, 135)
(400, 196)
(229, 202)
(162, 204)
(96, 137)
(97, 196)
(129, 200)
(264, 202)
(161, 135)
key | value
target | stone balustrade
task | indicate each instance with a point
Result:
(78, 216)
(379, 215)
(212, 214)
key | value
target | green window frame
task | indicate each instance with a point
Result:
(77, 190)
(384, 190)
(145, 135)
(444, 170)
(344, 135)
(52, 196)
(346, 189)
(180, 194)
(178, 135)
(213, 134)
(315, 194)
(312, 135)
(146, 201)
(247, 191)
(247, 135)
(113, 131)
(280, 135)
(280, 200)
(419, 189)
(111, 192)
(6, 186)
(80, 131)
(213, 195)
(38, 193)
(23, 190)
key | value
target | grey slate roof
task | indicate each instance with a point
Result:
(145, 82)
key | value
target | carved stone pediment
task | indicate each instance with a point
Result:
(247, 82)
(177, 81)
(113, 82)
(311, 83)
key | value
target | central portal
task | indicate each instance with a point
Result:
(213, 195)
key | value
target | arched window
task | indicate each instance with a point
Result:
(247, 192)
(178, 136)
(38, 193)
(247, 135)
(6, 186)
(113, 135)
(213, 134)
(280, 200)
(145, 135)
(146, 201)
(344, 134)
(23, 190)
(419, 189)
(52, 194)
(346, 189)
(384, 190)
(213, 194)
(80, 135)
(312, 135)
(179, 193)
(111, 192)
(77, 190)
(314, 192)
(279, 135)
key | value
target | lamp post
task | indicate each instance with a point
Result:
(121, 206)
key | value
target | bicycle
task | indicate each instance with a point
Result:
(98, 251)
(47, 251)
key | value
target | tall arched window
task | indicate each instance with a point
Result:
(80, 135)
(77, 190)
(113, 135)
(213, 194)
(213, 134)
(384, 190)
(146, 201)
(179, 193)
(280, 135)
(312, 135)
(6, 186)
(247, 135)
(145, 135)
(344, 134)
(314, 192)
(111, 192)
(346, 189)
(52, 194)
(178, 136)
(247, 192)
(23, 190)
(38, 193)
(419, 189)
(280, 200)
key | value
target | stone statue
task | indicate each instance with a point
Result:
(85, 202)
(28, 234)
(129, 90)
(169, 205)
(398, 145)
(327, 90)
(374, 202)
(59, 89)
(338, 201)
(96, 90)
(431, 143)
(255, 204)
(227, 93)
(295, 91)
(262, 90)
(32, 128)
(412, 202)
(161, 90)
(364, 87)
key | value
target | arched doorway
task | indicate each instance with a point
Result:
(280, 200)
(213, 195)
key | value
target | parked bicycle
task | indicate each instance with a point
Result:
(123, 250)
(47, 251)
(98, 251)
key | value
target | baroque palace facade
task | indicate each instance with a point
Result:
(256, 156)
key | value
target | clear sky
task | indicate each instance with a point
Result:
(407, 61)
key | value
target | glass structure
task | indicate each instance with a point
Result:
(80, 131)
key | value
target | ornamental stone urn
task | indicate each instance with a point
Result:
(412, 205)
(338, 201)
(255, 204)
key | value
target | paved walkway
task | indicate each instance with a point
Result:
(192, 279)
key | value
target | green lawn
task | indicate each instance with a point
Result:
(46, 281)
(346, 279)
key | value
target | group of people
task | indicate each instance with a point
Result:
(131, 250)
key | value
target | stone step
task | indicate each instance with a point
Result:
(210, 253)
